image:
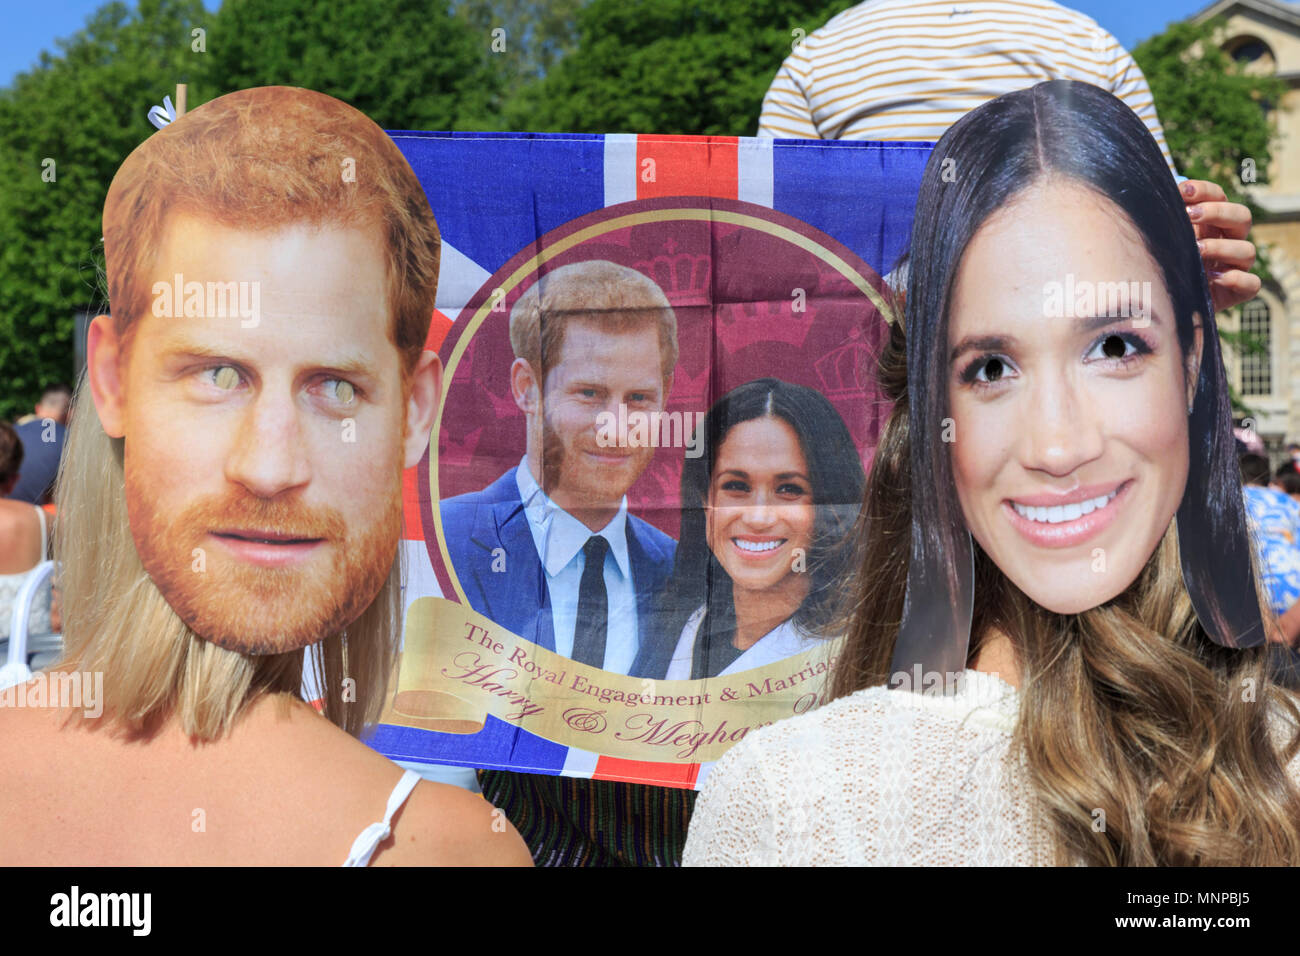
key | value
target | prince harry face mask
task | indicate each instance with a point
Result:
(260, 394)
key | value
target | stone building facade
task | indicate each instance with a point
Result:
(1264, 35)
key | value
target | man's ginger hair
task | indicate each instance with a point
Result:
(257, 159)
(266, 158)
(612, 297)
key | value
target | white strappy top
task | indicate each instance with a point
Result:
(11, 584)
(363, 847)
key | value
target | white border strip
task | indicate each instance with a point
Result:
(754, 172)
(459, 277)
(620, 168)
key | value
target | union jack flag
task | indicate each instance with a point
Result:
(496, 194)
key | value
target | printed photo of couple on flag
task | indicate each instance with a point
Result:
(640, 490)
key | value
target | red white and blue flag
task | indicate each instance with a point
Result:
(496, 196)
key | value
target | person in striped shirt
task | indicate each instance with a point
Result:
(906, 70)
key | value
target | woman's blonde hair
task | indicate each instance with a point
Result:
(1130, 713)
(254, 159)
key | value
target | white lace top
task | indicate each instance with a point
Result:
(881, 777)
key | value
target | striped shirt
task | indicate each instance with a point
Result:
(909, 69)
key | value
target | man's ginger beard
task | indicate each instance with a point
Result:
(260, 610)
(559, 469)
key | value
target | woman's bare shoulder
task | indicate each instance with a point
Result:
(254, 785)
(438, 824)
(20, 530)
(444, 825)
(31, 723)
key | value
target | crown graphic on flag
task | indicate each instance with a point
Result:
(846, 372)
(686, 278)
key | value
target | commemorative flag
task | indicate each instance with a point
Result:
(644, 656)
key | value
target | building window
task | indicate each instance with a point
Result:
(1248, 51)
(1257, 367)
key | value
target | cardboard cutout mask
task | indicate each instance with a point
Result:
(272, 264)
(1066, 390)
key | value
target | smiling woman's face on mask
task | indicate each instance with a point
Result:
(1069, 396)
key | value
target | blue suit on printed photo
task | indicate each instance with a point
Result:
(475, 525)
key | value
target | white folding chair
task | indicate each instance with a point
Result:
(21, 645)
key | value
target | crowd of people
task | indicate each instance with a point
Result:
(210, 527)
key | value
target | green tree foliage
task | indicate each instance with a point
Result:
(84, 109)
(1213, 111)
(534, 35)
(1215, 116)
(669, 66)
(407, 64)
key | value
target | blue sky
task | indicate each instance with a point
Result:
(27, 28)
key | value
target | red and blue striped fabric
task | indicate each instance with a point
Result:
(496, 194)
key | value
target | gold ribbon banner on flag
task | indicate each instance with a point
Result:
(457, 666)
